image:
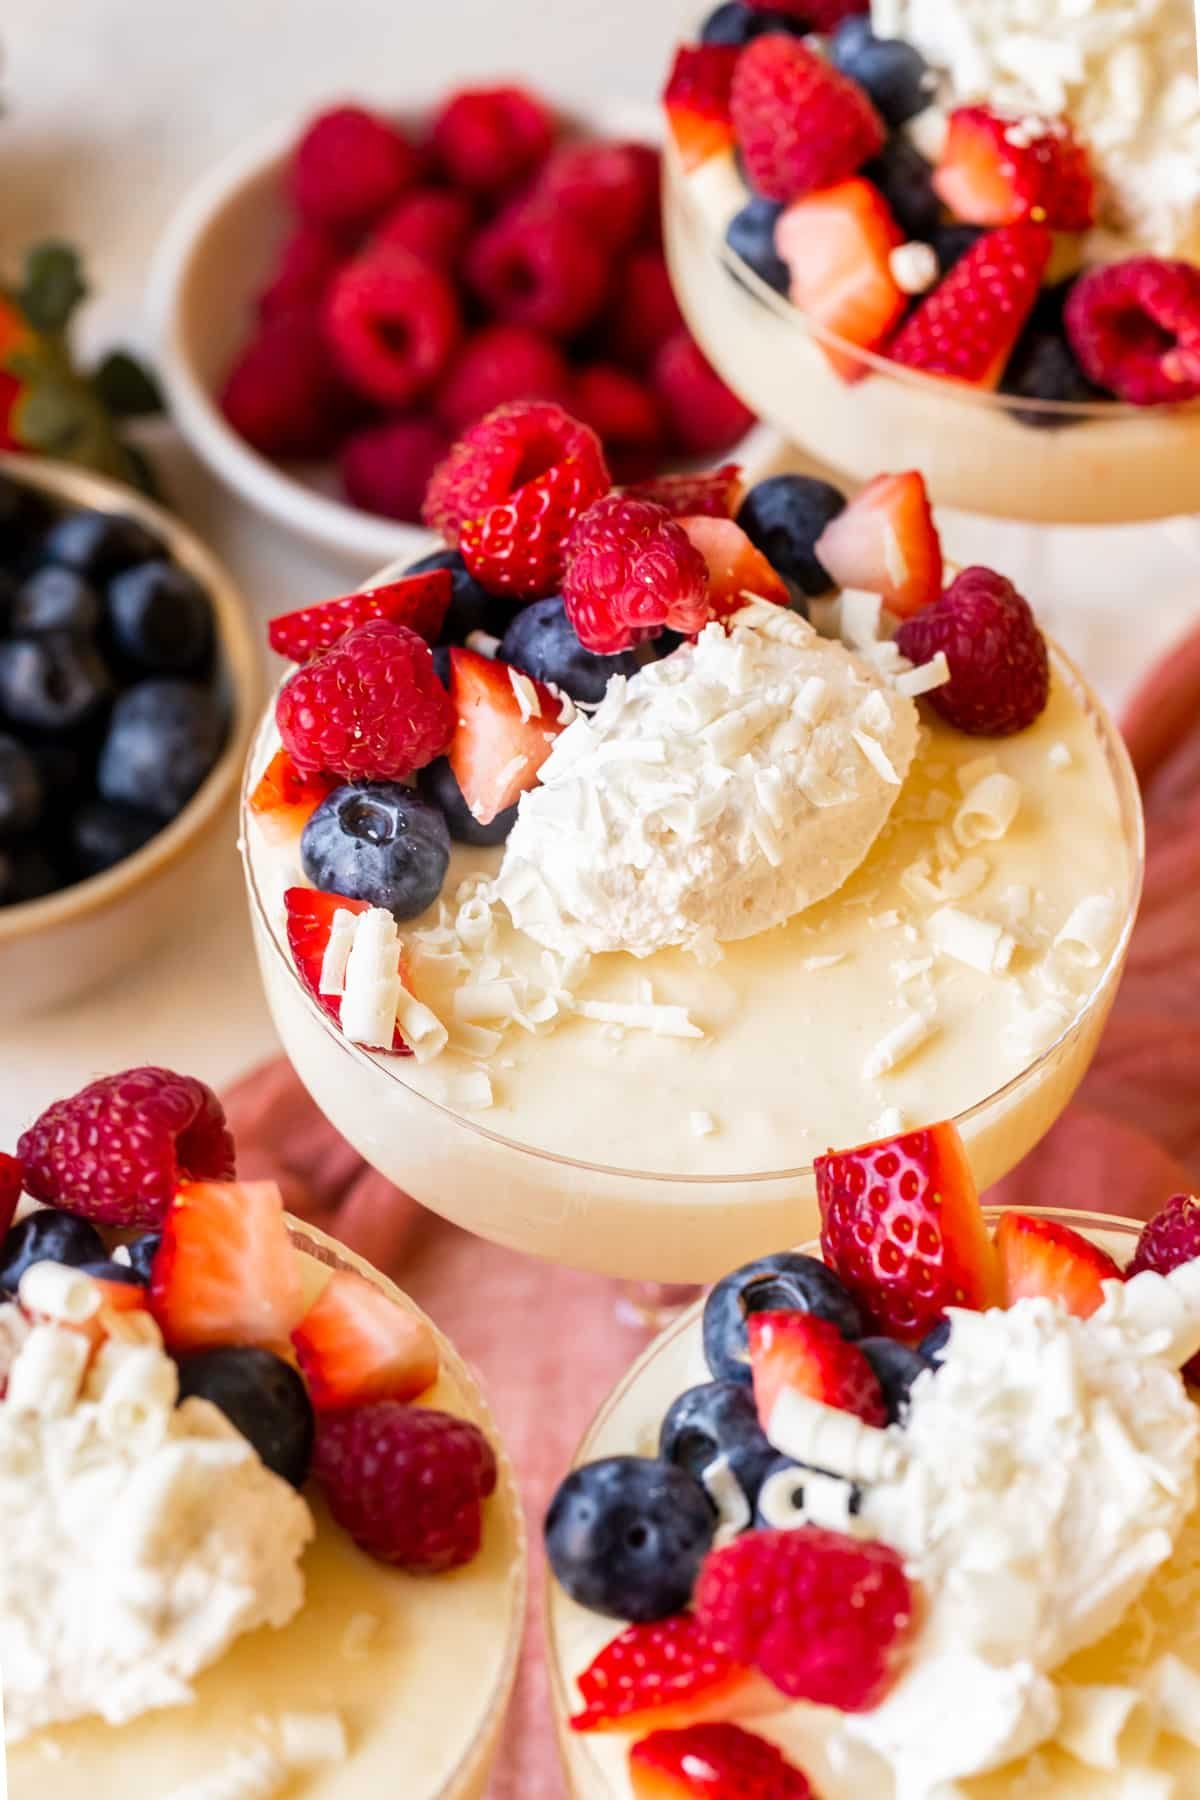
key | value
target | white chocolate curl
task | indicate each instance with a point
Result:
(48, 1372)
(53, 1291)
(826, 1438)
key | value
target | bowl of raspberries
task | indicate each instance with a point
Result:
(337, 303)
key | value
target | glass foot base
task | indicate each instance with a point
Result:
(653, 1305)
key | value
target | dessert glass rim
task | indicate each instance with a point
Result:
(1132, 828)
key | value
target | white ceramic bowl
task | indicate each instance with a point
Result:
(208, 270)
(52, 950)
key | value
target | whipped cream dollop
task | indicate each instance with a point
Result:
(714, 794)
(1124, 71)
(140, 1537)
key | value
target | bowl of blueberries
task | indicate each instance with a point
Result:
(128, 683)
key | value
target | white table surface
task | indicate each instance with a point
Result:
(111, 108)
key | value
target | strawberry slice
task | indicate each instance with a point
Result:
(696, 98)
(800, 1351)
(711, 494)
(837, 244)
(885, 541)
(309, 921)
(713, 1762)
(11, 1181)
(418, 601)
(902, 1226)
(736, 567)
(354, 1345)
(995, 170)
(506, 726)
(966, 327)
(225, 1272)
(667, 1673)
(1045, 1259)
(285, 797)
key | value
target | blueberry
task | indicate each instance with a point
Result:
(736, 24)
(932, 1346)
(142, 1251)
(102, 834)
(541, 640)
(64, 770)
(377, 841)
(26, 873)
(1043, 365)
(785, 515)
(472, 608)
(23, 519)
(896, 1367)
(713, 1420)
(163, 739)
(905, 180)
(751, 235)
(788, 1282)
(438, 785)
(107, 1270)
(441, 663)
(54, 599)
(99, 544)
(22, 791)
(263, 1396)
(626, 1536)
(952, 243)
(160, 618)
(894, 73)
(54, 683)
(48, 1236)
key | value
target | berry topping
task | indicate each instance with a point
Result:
(506, 451)
(800, 124)
(837, 245)
(437, 785)
(489, 139)
(905, 180)
(735, 567)
(284, 797)
(537, 266)
(809, 1356)
(348, 166)
(164, 737)
(711, 494)
(999, 667)
(902, 1225)
(1135, 327)
(894, 73)
(262, 1396)
(47, 1236)
(283, 394)
(354, 1344)
(717, 1420)
(418, 601)
(310, 917)
(965, 329)
(932, 1346)
(406, 1482)
(705, 415)
(1172, 1237)
(505, 727)
(1044, 1258)
(541, 641)
(665, 1673)
(225, 1272)
(117, 1151)
(716, 1761)
(896, 1367)
(517, 548)
(827, 1618)
(472, 608)
(431, 223)
(386, 468)
(697, 101)
(141, 1253)
(393, 323)
(751, 235)
(886, 542)
(995, 170)
(500, 364)
(787, 1282)
(376, 841)
(631, 570)
(626, 1536)
(369, 708)
(785, 515)
(11, 1184)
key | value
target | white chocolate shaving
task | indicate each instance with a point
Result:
(824, 1437)
(47, 1374)
(877, 756)
(924, 678)
(663, 1021)
(1172, 1689)
(256, 1774)
(332, 979)
(702, 1124)
(902, 1041)
(420, 1027)
(1087, 936)
(1092, 1720)
(914, 266)
(54, 1291)
(732, 1507)
(308, 1739)
(979, 943)
(372, 985)
(987, 810)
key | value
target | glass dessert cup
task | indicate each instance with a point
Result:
(418, 1668)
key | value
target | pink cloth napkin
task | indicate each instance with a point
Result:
(547, 1342)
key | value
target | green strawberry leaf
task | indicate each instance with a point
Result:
(127, 387)
(53, 286)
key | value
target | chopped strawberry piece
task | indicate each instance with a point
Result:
(998, 171)
(506, 724)
(736, 567)
(1043, 1258)
(418, 601)
(309, 921)
(713, 1762)
(837, 245)
(696, 98)
(712, 494)
(11, 1182)
(354, 1345)
(286, 797)
(809, 1355)
(902, 1226)
(886, 542)
(225, 1272)
(666, 1674)
(965, 329)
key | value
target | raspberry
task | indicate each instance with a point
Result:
(518, 548)
(625, 416)
(488, 139)
(386, 468)
(431, 223)
(370, 708)
(348, 166)
(609, 188)
(1135, 327)
(999, 669)
(800, 123)
(499, 364)
(705, 416)
(818, 15)
(631, 570)
(305, 267)
(119, 1150)
(1172, 1237)
(712, 494)
(406, 1482)
(393, 323)
(500, 453)
(643, 312)
(826, 1618)
(536, 266)
(11, 1184)
(283, 394)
